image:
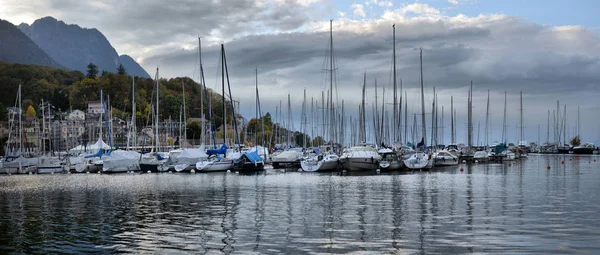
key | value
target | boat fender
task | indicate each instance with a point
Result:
(429, 156)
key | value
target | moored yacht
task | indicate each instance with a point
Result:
(360, 158)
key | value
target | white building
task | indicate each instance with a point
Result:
(76, 115)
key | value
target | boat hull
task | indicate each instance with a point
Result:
(583, 151)
(360, 164)
(214, 166)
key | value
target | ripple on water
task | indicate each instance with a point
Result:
(492, 208)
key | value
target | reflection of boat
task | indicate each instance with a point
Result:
(586, 148)
(418, 161)
(389, 160)
(481, 156)
(444, 158)
(360, 158)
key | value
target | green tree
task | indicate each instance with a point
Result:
(317, 141)
(576, 141)
(121, 69)
(92, 71)
(194, 129)
(3, 113)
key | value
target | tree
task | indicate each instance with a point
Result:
(92, 71)
(121, 69)
(575, 141)
(3, 113)
(317, 141)
(30, 111)
(194, 129)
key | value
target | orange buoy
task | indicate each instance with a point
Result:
(562, 162)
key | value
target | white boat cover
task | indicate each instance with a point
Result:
(121, 161)
(90, 148)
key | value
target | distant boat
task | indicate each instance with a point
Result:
(319, 162)
(444, 158)
(586, 148)
(481, 156)
(389, 160)
(418, 161)
(360, 158)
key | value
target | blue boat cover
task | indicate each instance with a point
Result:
(223, 150)
(98, 154)
(251, 156)
(317, 151)
(159, 157)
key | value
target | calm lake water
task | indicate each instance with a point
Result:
(495, 208)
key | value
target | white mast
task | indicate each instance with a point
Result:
(157, 113)
(395, 112)
(487, 116)
(20, 125)
(202, 131)
(423, 123)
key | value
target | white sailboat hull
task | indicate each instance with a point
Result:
(214, 166)
(418, 161)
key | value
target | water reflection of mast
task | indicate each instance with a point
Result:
(423, 207)
(469, 202)
(259, 213)
(397, 193)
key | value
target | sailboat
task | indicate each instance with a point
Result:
(328, 160)
(123, 160)
(216, 158)
(421, 160)
(155, 161)
(290, 156)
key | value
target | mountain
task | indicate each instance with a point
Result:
(72, 46)
(132, 67)
(16, 47)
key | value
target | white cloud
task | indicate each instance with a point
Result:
(454, 2)
(418, 8)
(358, 10)
(341, 14)
(380, 3)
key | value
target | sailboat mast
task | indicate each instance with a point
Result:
(423, 123)
(521, 121)
(185, 118)
(395, 112)
(487, 117)
(363, 118)
(452, 120)
(20, 124)
(289, 122)
(332, 113)
(405, 115)
(504, 121)
(133, 112)
(202, 131)
(223, 94)
(157, 112)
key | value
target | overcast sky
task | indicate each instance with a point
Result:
(549, 50)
